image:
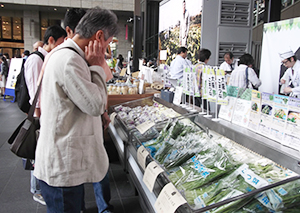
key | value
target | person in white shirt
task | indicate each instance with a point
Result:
(229, 64)
(54, 36)
(291, 76)
(178, 65)
(244, 76)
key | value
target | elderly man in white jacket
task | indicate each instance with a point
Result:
(70, 150)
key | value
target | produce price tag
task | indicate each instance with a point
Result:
(251, 178)
(177, 96)
(112, 117)
(151, 173)
(145, 126)
(168, 200)
(142, 154)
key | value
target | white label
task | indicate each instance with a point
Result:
(168, 200)
(145, 126)
(142, 154)
(112, 117)
(151, 173)
(177, 96)
(141, 87)
(252, 178)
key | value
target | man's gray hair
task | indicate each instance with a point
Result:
(97, 19)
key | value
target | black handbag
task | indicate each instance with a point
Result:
(24, 139)
(28, 164)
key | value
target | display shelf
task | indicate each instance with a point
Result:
(123, 130)
(128, 141)
(163, 179)
(283, 155)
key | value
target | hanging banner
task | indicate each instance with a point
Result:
(279, 117)
(254, 119)
(226, 111)
(292, 131)
(221, 90)
(212, 88)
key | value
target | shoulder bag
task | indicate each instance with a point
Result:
(24, 139)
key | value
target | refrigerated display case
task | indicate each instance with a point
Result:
(254, 144)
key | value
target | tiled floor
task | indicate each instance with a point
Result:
(15, 196)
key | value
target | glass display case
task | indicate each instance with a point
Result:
(216, 166)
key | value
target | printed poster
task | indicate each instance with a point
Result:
(241, 113)
(226, 111)
(212, 88)
(279, 117)
(14, 70)
(292, 131)
(254, 119)
(221, 87)
(267, 105)
(186, 81)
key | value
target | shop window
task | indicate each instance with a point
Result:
(17, 28)
(6, 28)
(45, 23)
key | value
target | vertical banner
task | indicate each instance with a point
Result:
(292, 131)
(204, 83)
(192, 82)
(187, 80)
(242, 108)
(14, 70)
(254, 119)
(221, 90)
(267, 105)
(226, 111)
(279, 117)
(212, 88)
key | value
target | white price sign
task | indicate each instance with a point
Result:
(112, 117)
(142, 154)
(151, 173)
(145, 126)
(168, 200)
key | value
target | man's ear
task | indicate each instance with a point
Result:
(69, 32)
(51, 40)
(99, 36)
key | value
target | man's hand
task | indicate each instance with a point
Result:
(105, 120)
(282, 81)
(94, 53)
(287, 90)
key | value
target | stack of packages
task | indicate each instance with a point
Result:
(209, 170)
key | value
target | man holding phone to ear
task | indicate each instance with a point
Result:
(70, 150)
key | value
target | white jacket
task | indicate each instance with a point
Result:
(70, 148)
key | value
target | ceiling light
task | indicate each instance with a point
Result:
(55, 9)
(2, 5)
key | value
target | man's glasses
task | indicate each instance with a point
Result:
(284, 62)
